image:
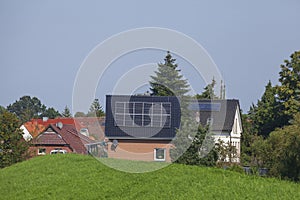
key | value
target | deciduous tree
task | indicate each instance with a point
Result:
(289, 90)
(12, 146)
(27, 108)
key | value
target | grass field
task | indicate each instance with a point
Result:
(83, 177)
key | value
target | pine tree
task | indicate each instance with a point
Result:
(266, 115)
(96, 109)
(66, 112)
(194, 145)
(168, 81)
(209, 91)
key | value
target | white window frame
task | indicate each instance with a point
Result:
(160, 159)
(44, 153)
(120, 116)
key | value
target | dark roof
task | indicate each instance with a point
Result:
(67, 135)
(222, 113)
(113, 131)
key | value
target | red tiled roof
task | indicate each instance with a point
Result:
(63, 120)
(34, 128)
(73, 138)
(67, 135)
(94, 125)
(49, 137)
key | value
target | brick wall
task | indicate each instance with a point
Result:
(138, 149)
(34, 149)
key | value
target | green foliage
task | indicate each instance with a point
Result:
(74, 176)
(289, 90)
(96, 109)
(27, 108)
(2, 109)
(66, 112)
(246, 140)
(209, 91)
(80, 114)
(227, 153)
(194, 145)
(277, 150)
(12, 146)
(236, 168)
(50, 113)
(284, 151)
(266, 115)
(168, 81)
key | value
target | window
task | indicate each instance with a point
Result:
(143, 114)
(58, 151)
(209, 121)
(159, 154)
(42, 151)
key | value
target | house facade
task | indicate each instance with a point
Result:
(92, 127)
(62, 138)
(224, 119)
(142, 127)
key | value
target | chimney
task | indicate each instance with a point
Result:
(45, 119)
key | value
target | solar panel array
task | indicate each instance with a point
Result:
(205, 106)
(142, 114)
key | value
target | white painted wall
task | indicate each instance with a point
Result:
(26, 135)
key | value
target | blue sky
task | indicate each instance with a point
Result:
(43, 43)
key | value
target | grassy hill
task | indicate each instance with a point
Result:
(83, 177)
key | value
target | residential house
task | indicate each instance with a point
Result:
(142, 127)
(60, 137)
(92, 127)
(224, 119)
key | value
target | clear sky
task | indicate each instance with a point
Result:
(43, 43)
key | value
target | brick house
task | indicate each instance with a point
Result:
(142, 127)
(92, 127)
(59, 137)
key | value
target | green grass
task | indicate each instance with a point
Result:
(83, 177)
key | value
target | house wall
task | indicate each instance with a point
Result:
(34, 149)
(26, 135)
(139, 149)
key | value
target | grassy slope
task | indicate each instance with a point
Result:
(83, 177)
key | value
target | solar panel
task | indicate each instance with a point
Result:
(143, 114)
(205, 106)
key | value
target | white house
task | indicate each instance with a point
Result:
(224, 118)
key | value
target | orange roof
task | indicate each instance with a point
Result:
(93, 124)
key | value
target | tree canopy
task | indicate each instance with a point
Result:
(289, 89)
(167, 80)
(209, 91)
(28, 107)
(266, 115)
(12, 146)
(66, 112)
(96, 109)
(194, 145)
